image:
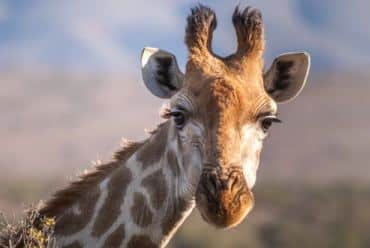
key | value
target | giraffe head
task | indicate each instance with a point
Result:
(221, 108)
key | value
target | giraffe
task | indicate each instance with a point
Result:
(206, 152)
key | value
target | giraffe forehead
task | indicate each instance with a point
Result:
(233, 99)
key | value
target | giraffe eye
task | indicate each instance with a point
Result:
(267, 122)
(179, 119)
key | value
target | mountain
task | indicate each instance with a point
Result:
(59, 122)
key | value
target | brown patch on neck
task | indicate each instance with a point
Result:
(116, 238)
(173, 164)
(70, 222)
(140, 211)
(65, 198)
(142, 241)
(75, 244)
(116, 194)
(152, 151)
(157, 188)
(174, 215)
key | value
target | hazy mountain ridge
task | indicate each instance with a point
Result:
(60, 122)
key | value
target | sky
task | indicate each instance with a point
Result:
(108, 35)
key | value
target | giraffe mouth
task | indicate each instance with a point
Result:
(223, 198)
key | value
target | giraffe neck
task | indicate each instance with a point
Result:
(141, 203)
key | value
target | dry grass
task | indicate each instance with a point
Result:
(32, 231)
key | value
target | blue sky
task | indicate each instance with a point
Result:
(109, 35)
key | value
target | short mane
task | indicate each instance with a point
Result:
(64, 198)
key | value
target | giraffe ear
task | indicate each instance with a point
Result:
(287, 76)
(160, 72)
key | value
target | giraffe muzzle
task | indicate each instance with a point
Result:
(223, 197)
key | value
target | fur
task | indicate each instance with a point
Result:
(66, 197)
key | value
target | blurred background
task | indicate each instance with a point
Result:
(70, 88)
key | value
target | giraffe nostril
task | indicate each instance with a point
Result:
(231, 183)
(213, 183)
(236, 182)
